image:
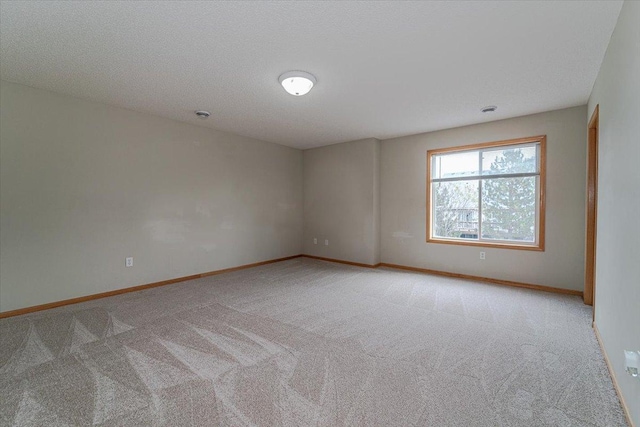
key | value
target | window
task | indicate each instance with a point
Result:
(489, 194)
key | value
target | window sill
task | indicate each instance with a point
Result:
(538, 248)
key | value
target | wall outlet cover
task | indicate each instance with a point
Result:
(632, 362)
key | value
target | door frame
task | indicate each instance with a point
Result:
(591, 209)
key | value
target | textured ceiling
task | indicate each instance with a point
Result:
(384, 69)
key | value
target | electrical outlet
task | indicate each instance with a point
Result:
(326, 242)
(315, 241)
(482, 255)
(128, 261)
(632, 362)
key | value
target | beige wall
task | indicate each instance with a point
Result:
(84, 185)
(617, 91)
(341, 201)
(403, 202)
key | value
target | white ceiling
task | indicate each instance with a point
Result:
(384, 69)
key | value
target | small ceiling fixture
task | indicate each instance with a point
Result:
(203, 114)
(489, 109)
(297, 83)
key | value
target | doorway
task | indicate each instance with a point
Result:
(592, 209)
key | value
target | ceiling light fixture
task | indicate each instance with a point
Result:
(203, 114)
(297, 83)
(489, 109)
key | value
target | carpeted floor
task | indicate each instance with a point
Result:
(309, 343)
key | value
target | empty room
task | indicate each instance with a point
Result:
(319, 213)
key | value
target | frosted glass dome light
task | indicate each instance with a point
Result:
(297, 83)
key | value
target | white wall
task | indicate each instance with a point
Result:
(617, 299)
(341, 186)
(403, 202)
(83, 185)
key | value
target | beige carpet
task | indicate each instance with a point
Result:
(309, 343)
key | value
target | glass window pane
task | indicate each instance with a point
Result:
(510, 160)
(455, 209)
(509, 209)
(455, 165)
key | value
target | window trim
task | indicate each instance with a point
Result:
(539, 246)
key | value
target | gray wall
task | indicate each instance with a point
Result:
(341, 201)
(403, 202)
(617, 299)
(84, 185)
